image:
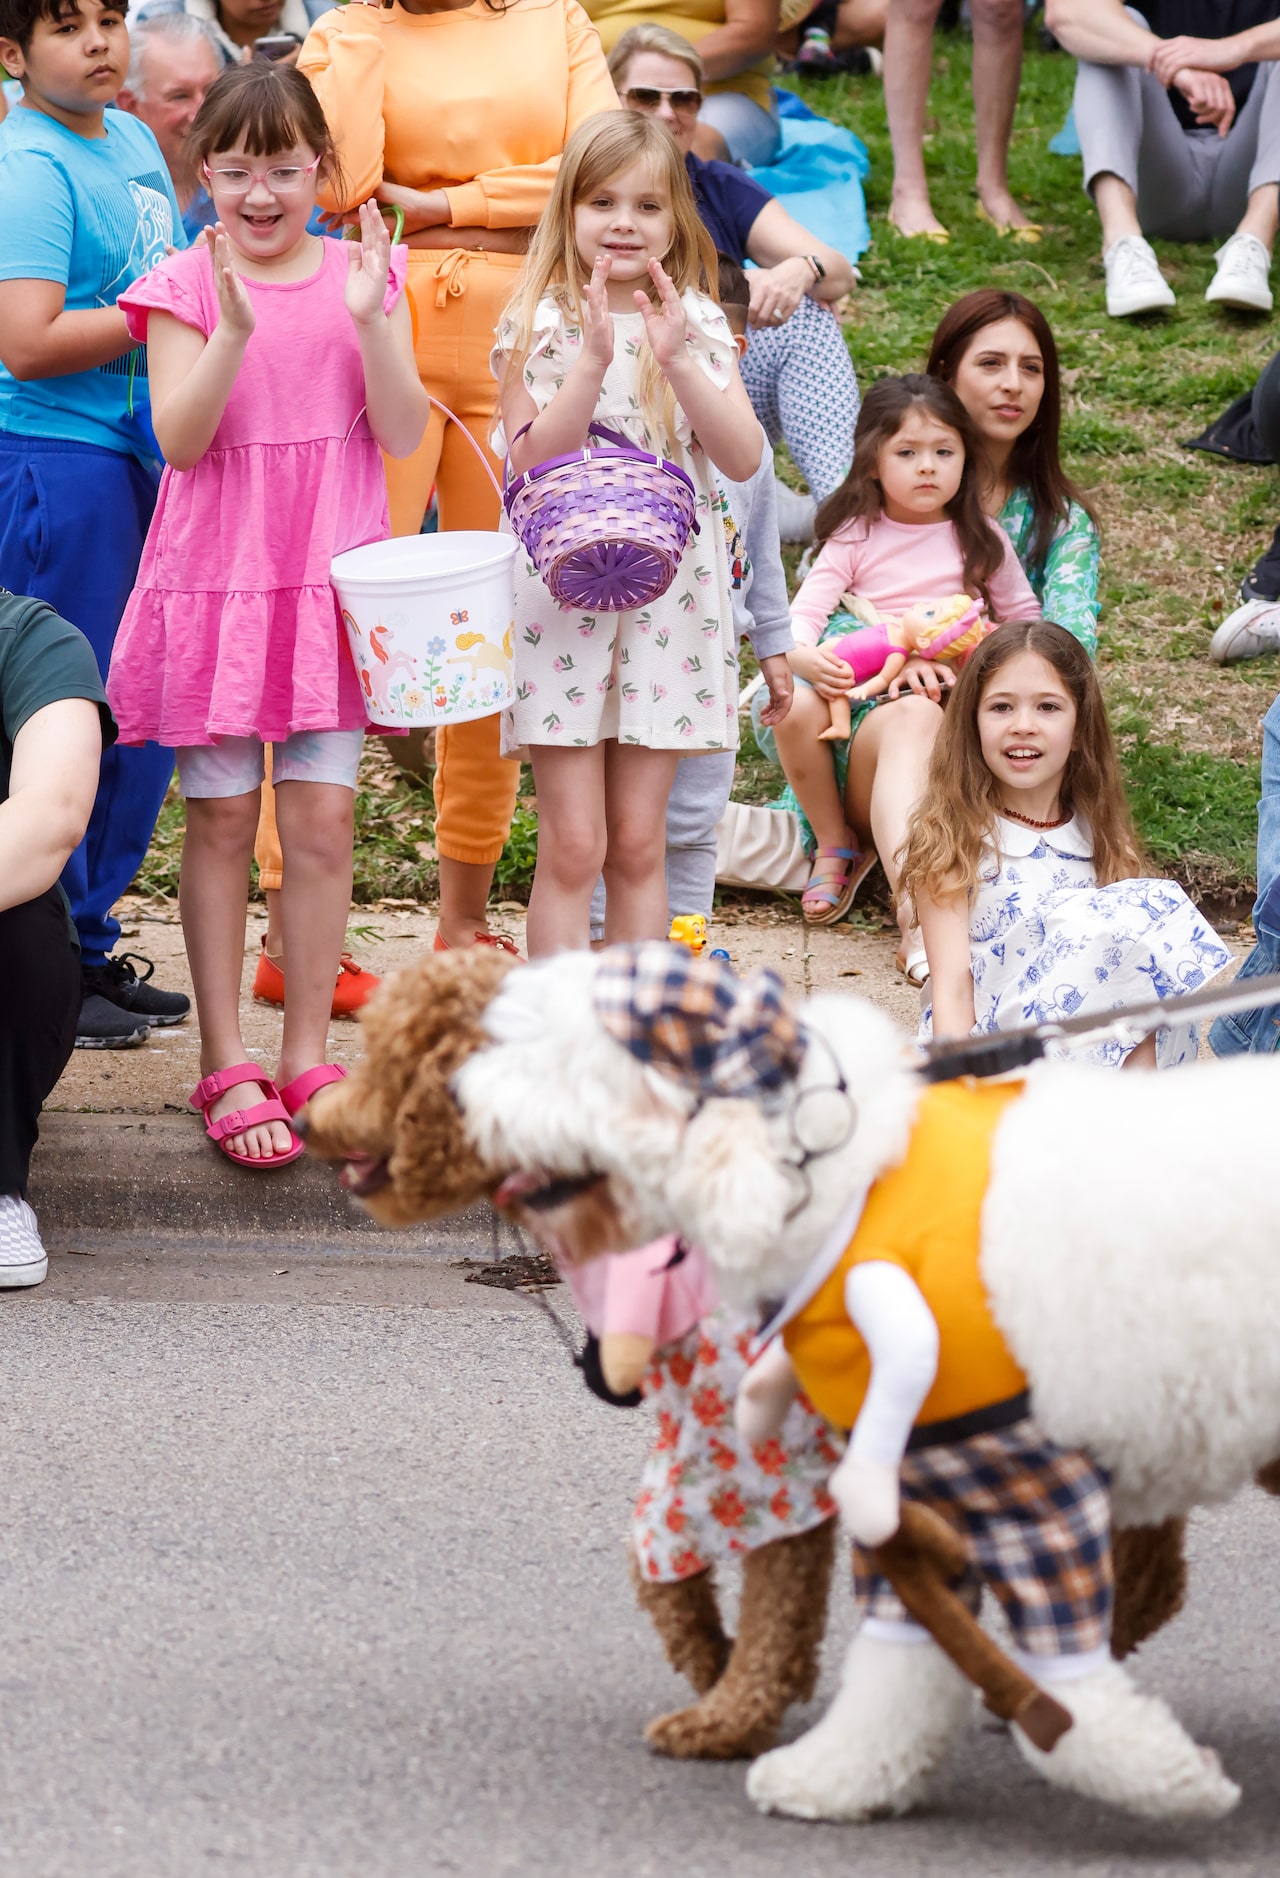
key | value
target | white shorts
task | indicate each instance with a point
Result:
(234, 766)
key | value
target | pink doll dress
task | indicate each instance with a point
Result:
(233, 629)
(865, 651)
(705, 1494)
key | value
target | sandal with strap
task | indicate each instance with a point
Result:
(834, 878)
(500, 941)
(296, 1094)
(206, 1093)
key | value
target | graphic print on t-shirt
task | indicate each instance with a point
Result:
(148, 239)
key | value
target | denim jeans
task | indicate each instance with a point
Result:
(753, 134)
(1260, 1030)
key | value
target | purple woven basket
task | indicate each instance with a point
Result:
(604, 528)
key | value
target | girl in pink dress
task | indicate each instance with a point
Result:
(281, 365)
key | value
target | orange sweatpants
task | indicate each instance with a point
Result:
(457, 296)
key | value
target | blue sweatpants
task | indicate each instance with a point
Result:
(73, 519)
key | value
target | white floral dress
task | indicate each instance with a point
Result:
(662, 676)
(1048, 942)
(705, 1495)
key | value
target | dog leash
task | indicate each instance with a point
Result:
(1006, 1050)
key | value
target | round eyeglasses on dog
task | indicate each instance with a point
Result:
(281, 182)
(649, 97)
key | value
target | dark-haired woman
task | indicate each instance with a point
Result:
(997, 352)
(457, 113)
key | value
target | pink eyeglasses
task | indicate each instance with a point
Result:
(238, 182)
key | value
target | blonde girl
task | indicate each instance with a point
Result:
(611, 322)
(1022, 865)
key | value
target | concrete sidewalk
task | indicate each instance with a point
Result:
(120, 1150)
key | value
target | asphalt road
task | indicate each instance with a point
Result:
(312, 1568)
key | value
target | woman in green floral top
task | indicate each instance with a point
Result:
(997, 351)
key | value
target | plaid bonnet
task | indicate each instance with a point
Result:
(697, 1021)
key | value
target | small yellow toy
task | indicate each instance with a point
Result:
(690, 929)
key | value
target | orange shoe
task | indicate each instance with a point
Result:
(353, 988)
(500, 941)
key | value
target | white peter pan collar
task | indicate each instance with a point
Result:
(1074, 838)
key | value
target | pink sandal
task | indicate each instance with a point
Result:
(835, 877)
(296, 1094)
(206, 1093)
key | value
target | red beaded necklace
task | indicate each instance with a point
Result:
(1029, 821)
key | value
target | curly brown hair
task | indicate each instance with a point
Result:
(956, 816)
(885, 410)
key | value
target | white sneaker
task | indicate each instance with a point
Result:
(1242, 277)
(1134, 281)
(795, 513)
(1251, 630)
(22, 1257)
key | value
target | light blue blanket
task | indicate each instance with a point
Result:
(818, 176)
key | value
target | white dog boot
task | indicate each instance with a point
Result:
(899, 1710)
(1127, 1748)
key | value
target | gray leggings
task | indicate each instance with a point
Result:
(1190, 185)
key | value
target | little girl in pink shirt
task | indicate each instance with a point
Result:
(281, 366)
(658, 1331)
(904, 529)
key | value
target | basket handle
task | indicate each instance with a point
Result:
(612, 437)
(484, 461)
(453, 416)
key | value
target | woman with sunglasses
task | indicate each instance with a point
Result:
(735, 41)
(797, 369)
(456, 111)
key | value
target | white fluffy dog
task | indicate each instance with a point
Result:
(1129, 1247)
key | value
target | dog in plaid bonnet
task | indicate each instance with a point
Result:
(1037, 1307)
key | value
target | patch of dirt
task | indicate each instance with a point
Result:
(515, 1271)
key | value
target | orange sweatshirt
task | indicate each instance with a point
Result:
(474, 102)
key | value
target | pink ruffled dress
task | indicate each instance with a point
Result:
(233, 629)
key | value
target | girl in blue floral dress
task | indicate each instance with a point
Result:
(1022, 863)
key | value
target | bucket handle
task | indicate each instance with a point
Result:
(454, 418)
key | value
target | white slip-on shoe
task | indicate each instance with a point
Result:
(1134, 281)
(22, 1257)
(1251, 630)
(1242, 279)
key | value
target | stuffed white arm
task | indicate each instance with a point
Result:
(887, 1309)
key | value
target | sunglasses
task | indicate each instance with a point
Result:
(648, 98)
(282, 182)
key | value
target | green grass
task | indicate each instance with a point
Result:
(1179, 528)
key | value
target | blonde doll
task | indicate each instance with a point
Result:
(611, 322)
(945, 632)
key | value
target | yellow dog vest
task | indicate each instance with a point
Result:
(926, 1216)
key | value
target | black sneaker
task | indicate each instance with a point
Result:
(104, 1026)
(119, 984)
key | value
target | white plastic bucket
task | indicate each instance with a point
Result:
(431, 622)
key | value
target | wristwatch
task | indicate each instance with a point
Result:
(819, 271)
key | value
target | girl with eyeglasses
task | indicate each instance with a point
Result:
(281, 366)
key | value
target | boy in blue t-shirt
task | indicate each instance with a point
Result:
(86, 207)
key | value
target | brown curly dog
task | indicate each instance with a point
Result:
(393, 1122)
(406, 1157)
